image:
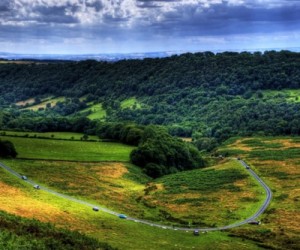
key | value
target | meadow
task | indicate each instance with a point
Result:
(96, 111)
(290, 95)
(131, 103)
(35, 148)
(190, 198)
(218, 195)
(22, 200)
(50, 135)
(277, 161)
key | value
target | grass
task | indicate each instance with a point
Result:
(204, 192)
(50, 135)
(43, 104)
(96, 111)
(289, 95)
(21, 199)
(31, 148)
(131, 103)
(21, 233)
(126, 189)
(280, 169)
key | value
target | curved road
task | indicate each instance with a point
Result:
(246, 221)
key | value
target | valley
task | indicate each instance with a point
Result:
(184, 198)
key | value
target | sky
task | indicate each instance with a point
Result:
(127, 26)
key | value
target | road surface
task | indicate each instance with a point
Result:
(153, 224)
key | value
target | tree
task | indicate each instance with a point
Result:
(7, 149)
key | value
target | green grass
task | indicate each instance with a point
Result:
(210, 180)
(50, 135)
(261, 144)
(289, 95)
(216, 196)
(107, 228)
(32, 148)
(97, 111)
(277, 155)
(131, 103)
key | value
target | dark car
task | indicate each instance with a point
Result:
(254, 222)
(96, 209)
(196, 232)
(24, 177)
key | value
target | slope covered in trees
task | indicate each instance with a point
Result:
(202, 94)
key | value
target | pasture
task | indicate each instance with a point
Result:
(35, 148)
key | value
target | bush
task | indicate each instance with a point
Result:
(7, 149)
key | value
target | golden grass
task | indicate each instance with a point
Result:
(113, 170)
(238, 144)
(13, 200)
(283, 176)
(28, 101)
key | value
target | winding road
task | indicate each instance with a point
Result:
(246, 221)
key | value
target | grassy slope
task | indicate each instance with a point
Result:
(122, 187)
(23, 200)
(204, 192)
(277, 160)
(97, 112)
(43, 104)
(53, 135)
(130, 103)
(290, 95)
(69, 150)
(21, 233)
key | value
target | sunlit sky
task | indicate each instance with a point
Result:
(126, 26)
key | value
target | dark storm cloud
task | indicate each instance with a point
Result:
(224, 19)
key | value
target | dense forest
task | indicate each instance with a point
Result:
(205, 95)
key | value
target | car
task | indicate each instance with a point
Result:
(122, 216)
(239, 158)
(24, 177)
(254, 222)
(247, 167)
(36, 187)
(96, 209)
(196, 232)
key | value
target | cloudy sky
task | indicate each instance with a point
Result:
(113, 26)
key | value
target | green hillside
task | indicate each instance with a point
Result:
(200, 95)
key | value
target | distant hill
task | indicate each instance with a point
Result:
(202, 94)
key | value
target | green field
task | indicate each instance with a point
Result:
(201, 193)
(34, 148)
(290, 95)
(131, 103)
(50, 135)
(96, 111)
